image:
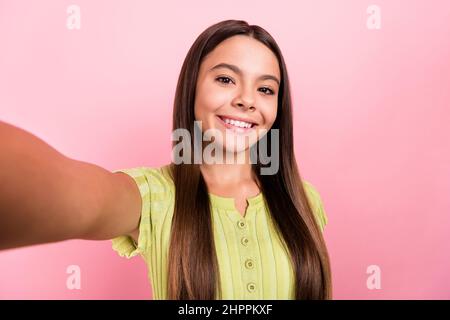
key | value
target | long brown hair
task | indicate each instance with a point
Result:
(193, 268)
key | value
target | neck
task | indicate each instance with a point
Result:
(227, 174)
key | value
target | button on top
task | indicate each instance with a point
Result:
(251, 287)
(249, 264)
(244, 241)
(241, 224)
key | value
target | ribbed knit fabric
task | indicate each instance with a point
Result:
(253, 264)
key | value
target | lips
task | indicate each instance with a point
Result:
(235, 128)
(237, 119)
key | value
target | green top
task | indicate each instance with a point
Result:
(252, 261)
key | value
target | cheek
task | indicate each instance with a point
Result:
(202, 111)
(209, 101)
(201, 108)
(269, 114)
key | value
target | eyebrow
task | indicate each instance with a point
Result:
(238, 71)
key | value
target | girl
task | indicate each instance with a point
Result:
(206, 230)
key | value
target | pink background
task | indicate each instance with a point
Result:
(371, 107)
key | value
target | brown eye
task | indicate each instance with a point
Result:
(226, 78)
(270, 91)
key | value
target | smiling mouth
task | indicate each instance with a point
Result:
(237, 123)
(238, 127)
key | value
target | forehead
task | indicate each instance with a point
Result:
(250, 55)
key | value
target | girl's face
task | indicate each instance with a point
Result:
(238, 80)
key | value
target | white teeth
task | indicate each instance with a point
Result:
(239, 124)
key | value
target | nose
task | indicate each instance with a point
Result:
(245, 103)
(245, 100)
(246, 106)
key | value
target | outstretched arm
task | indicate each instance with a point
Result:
(48, 197)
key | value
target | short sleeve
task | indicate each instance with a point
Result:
(317, 205)
(125, 245)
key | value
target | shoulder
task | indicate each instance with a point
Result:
(156, 190)
(311, 191)
(316, 203)
(151, 180)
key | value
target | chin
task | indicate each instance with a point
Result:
(232, 148)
